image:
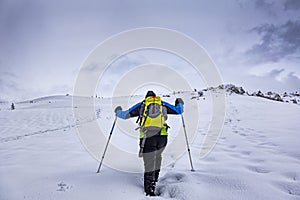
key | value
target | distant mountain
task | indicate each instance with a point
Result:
(48, 98)
(293, 97)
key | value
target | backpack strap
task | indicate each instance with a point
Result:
(140, 117)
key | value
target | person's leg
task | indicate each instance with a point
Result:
(161, 144)
(149, 165)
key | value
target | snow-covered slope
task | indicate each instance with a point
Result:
(256, 157)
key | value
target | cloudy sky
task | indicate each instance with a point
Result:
(255, 44)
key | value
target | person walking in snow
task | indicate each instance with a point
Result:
(12, 107)
(152, 116)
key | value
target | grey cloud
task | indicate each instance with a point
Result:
(292, 5)
(7, 80)
(289, 82)
(275, 72)
(8, 86)
(263, 4)
(59, 89)
(269, 81)
(268, 7)
(292, 81)
(277, 42)
(19, 19)
(91, 67)
(120, 64)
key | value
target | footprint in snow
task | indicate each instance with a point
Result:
(247, 153)
(268, 144)
(223, 138)
(257, 160)
(292, 176)
(290, 188)
(172, 177)
(232, 146)
(257, 169)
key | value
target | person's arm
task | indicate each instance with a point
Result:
(131, 112)
(177, 109)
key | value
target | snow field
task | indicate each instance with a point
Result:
(256, 157)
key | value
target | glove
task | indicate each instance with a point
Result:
(179, 100)
(118, 108)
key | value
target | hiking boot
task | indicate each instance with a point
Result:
(151, 194)
(156, 175)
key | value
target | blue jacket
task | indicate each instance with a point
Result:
(134, 111)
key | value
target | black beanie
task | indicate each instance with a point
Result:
(150, 93)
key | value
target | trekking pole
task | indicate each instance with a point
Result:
(112, 129)
(187, 143)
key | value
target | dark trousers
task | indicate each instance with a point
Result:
(153, 148)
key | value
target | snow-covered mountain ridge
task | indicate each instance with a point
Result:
(287, 97)
(291, 97)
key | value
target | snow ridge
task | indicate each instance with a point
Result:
(292, 97)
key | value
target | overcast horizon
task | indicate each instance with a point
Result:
(254, 44)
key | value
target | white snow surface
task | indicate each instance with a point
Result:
(257, 155)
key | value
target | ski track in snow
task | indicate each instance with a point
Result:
(256, 157)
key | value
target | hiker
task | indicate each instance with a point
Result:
(12, 107)
(152, 115)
